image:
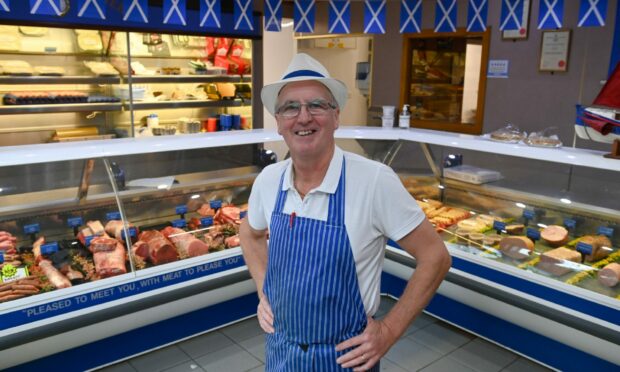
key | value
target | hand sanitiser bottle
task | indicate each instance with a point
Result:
(404, 118)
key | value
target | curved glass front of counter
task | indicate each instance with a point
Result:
(557, 222)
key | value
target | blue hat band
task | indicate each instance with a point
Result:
(298, 73)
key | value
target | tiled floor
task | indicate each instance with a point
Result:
(429, 345)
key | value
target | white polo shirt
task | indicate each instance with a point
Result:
(377, 207)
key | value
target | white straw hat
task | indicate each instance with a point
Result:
(302, 68)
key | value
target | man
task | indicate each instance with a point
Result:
(329, 213)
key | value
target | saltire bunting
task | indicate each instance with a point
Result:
(410, 16)
(242, 15)
(339, 17)
(445, 16)
(512, 13)
(47, 7)
(4, 6)
(477, 12)
(92, 9)
(210, 13)
(174, 12)
(550, 14)
(592, 13)
(273, 15)
(303, 16)
(374, 16)
(136, 11)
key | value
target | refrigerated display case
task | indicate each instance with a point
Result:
(565, 320)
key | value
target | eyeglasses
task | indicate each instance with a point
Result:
(318, 107)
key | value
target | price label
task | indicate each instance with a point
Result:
(1, 257)
(532, 234)
(180, 223)
(49, 248)
(33, 228)
(113, 216)
(499, 226)
(75, 221)
(89, 239)
(132, 233)
(215, 204)
(570, 223)
(604, 230)
(181, 209)
(242, 214)
(584, 248)
(206, 221)
(528, 214)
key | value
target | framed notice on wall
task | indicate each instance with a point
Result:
(521, 33)
(554, 49)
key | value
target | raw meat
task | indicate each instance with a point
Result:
(102, 244)
(232, 241)
(187, 245)
(110, 263)
(161, 250)
(96, 227)
(228, 214)
(141, 249)
(115, 228)
(54, 276)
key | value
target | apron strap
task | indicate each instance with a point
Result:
(281, 199)
(335, 217)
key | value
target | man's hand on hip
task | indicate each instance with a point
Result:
(265, 315)
(368, 347)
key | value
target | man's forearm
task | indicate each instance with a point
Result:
(254, 248)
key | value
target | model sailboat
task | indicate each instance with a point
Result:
(601, 122)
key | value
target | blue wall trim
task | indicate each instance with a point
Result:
(534, 345)
(615, 46)
(20, 14)
(145, 338)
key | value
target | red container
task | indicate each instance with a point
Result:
(211, 124)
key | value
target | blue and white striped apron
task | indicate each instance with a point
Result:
(311, 284)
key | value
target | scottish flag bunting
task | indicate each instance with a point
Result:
(303, 16)
(374, 16)
(592, 13)
(136, 11)
(210, 13)
(550, 14)
(242, 15)
(512, 13)
(174, 12)
(92, 9)
(4, 6)
(47, 7)
(410, 16)
(477, 12)
(445, 16)
(339, 17)
(273, 15)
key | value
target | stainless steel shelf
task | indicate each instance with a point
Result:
(14, 80)
(190, 79)
(63, 107)
(187, 104)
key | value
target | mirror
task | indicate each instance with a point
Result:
(445, 79)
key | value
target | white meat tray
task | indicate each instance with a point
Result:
(470, 174)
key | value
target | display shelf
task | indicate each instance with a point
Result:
(60, 107)
(190, 79)
(20, 80)
(184, 104)
(50, 152)
(564, 155)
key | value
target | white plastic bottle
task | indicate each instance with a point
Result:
(152, 121)
(404, 118)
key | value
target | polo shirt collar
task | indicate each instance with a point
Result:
(332, 177)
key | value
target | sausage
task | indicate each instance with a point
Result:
(518, 247)
(56, 278)
(609, 276)
(554, 235)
